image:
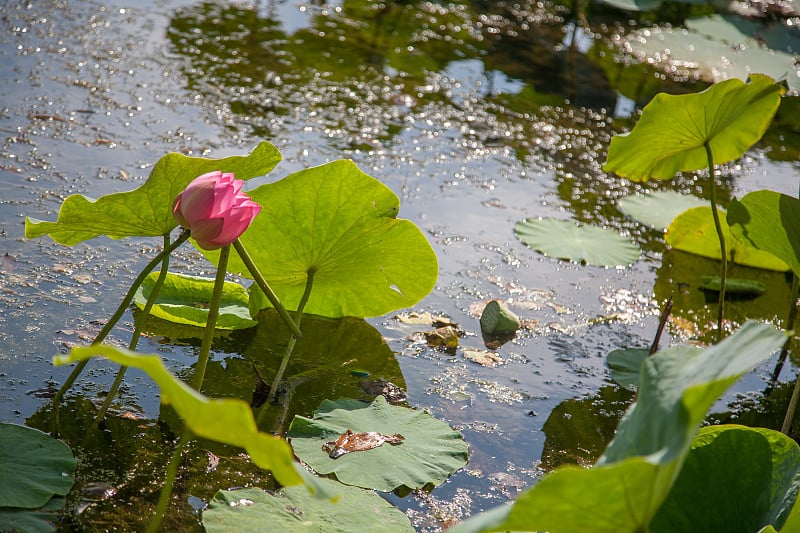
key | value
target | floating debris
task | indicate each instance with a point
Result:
(359, 442)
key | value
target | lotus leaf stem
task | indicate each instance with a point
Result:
(137, 333)
(265, 288)
(166, 490)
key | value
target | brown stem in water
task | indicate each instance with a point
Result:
(290, 348)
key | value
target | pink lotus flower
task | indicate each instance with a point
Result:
(214, 209)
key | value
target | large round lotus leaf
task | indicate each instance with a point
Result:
(585, 244)
(339, 224)
(184, 299)
(693, 231)
(33, 467)
(735, 479)
(296, 509)
(429, 453)
(657, 209)
(671, 135)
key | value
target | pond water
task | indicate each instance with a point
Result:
(476, 114)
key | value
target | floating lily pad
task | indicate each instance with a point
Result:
(584, 244)
(223, 420)
(693, 231)
(658, 208)
(146, 211)
(671, 135)
(626, 366)
(429, 453)
(645, 5)
(295, 509)
(719, 47)
(184, 299)
(733, 286)
(769, 220)
(338, 224)
(735, 479)
(33, 467)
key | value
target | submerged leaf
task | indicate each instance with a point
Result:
(430, 452)
(585, 244)
(671, 135)
(294, 509)
(146, 211)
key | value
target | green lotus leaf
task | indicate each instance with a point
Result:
(671, 135)
(146, 211)
(295, 509)
(565, 239)
(339, 224)
(626, 365)
(184, 299)
(693, 231)
(735, 479)
(625, 489)
(223, 420)
(658, 208)
(769, 220)
(33, 467)
(429, 453)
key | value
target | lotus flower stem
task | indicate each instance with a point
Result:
(273, 391)
(123, 306)
(166, 490)
(721, 236)
(137, 333)
(211, 321)
(266, 289)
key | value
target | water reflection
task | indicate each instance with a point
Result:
(389, 57)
